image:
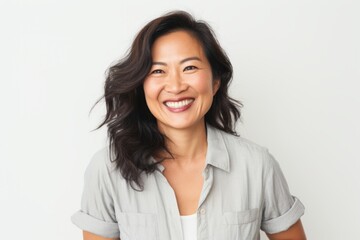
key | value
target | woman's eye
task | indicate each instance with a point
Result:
(188, 68)
(157, 71)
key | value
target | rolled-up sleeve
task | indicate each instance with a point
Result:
(97, 213)
(280, 209)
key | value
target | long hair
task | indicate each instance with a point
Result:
(132, 129)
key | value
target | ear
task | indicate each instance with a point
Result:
(216, 86)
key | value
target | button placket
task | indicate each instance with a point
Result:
(203, 233)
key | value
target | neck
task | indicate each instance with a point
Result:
(187, 145)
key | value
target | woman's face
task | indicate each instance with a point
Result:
(179, 88)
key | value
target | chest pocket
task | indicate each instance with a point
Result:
(137, 226)
(243, 225)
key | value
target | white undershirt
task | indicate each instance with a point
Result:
(189, 226)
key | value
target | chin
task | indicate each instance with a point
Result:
(180, 125)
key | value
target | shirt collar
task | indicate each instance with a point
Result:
(216, 154)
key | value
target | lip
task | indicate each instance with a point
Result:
(173, 105)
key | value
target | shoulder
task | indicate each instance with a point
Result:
(101, 163)
(246, 151)
(235, 143)
(238, 141)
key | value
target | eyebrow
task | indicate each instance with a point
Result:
(190, 58)
(181, 62)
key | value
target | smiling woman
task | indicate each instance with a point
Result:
(179, 89)
(175, 167)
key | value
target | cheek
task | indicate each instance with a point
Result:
(204, 85)
(151, 89)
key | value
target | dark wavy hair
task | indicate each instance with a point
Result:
(132, 129)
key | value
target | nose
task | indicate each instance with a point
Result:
(174, 83)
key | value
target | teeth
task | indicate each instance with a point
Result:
(179, 104)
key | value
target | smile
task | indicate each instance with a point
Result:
(178, 104)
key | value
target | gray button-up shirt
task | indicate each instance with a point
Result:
(244, 191)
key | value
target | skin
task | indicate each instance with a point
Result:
(295, 232)
(91, 236)
(182, 72)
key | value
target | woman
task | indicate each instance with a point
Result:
(175, 168)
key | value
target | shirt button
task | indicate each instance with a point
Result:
(202, 211)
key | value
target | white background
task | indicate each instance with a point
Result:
(296, 69)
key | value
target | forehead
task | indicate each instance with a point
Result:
(180, 42)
